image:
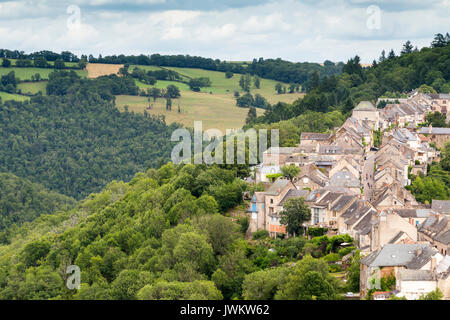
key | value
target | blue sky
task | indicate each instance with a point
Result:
(296, 30)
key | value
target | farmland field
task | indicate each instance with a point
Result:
(11, 96)
(32, 87)
(215, 105)
(26, 73)
(215, 110)
(95, 70)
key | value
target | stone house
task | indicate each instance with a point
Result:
(439, 136)
(436, 231)
(391, 259)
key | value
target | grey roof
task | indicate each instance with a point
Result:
(342, 202)
(314, 136)
(364, 226)
(416, 275)
(406, 255)
(365, 106)
(428, 130)
(413, 213)
(441, 206)
(361, 211)
(434, 224)
(423, 258)
(277, 187)
(443, 237)
(344, 179)
(281, 150)
(293, 194)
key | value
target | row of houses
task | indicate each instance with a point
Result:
(356, 189)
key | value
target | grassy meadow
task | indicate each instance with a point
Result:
(214, 110)
(215, 105)
(32, 87)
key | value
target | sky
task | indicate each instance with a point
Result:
(238, 30)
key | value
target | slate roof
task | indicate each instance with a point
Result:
(344, 179)
(314, 136)
(441, 206)
(277, 187)
(294, 194)
(364, 226)
(428, 130)
(443, 237)
(342, 202)
(365, 106)
(392, 255)
(281, 150)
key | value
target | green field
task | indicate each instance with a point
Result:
(11, 96)
(215, 106)
(32, 87)
(215, 110)
(222, 85)
(26, 73)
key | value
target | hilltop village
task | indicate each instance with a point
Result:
(354, 183)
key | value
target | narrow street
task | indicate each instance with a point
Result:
(367, 178)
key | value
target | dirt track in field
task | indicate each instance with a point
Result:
(100, 69)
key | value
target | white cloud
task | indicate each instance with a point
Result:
(296, 30)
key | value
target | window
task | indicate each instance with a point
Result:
(316, 215)
(271, 201)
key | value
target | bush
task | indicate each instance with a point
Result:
(260, 234)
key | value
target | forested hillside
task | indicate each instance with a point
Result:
(22, 201)
(161, 237)
(75, 141)
(392, 75)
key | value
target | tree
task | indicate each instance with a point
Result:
(245, 82)
(172, 91)
(197, 83)
(154, 93)
(407, 48)
(295, 213)
(6, 63)
(197, 290)
(279, 88)
(262, 285)
(251, 115)
(391, 54)
(229, 74)
(257, 82)
(221, 232)
(59, 64)
(309, 280)
(245, 101)
(353, 273)
(383, 56)
(168, 103)
(439, 41)
(433, 295)
(290, 172)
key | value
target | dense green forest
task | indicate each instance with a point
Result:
(22, 200)
(75, 141)
(391, 74)
(275, 69)
(162, 236)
